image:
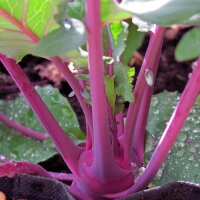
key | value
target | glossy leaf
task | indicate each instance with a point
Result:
(183, 161)
(23, 23)
(16, 147)
(189, 46)
(165, 12)
(61, 41)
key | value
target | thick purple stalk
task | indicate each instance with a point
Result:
(149, 60)
(140, 127)
(75, 87)
(120, 123)
(103, 155)
(170, 134)
(22, 129)
(65, 146)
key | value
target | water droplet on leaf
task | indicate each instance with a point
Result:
(149, 77)
(67, 24)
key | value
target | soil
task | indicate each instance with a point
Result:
(172, 76)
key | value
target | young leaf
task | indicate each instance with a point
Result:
(182, 163)
(123, 82)
(165, 12)
(189, 46)
(110, 90)
(133, 42)
(23, 24)
(118, 33)
(61, 41)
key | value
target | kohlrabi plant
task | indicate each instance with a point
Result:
(98, 37)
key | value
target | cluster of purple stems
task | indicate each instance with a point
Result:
(114, 150)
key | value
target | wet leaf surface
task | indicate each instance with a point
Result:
(183, 160)
(16, 147)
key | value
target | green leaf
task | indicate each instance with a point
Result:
(183, 161)
(23, 23)
(80, 62)
(133, 42)
(118, 32)
(189, 46)
(17, 147)
(110, 12)
(76, 9)
(110, 90)
(61, 41)
(166, 12)
(123, 82)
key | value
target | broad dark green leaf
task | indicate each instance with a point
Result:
(23, 22)
(123, 82)
(165, 12)
(133, 42)
(17, 147)
(183, 161)
(61, 41)
(189, 46)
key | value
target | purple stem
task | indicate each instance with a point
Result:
(73, 82)
(102, 147)
(22, 129)
(62, 176)
(69, 151)
(88, 138)
(140, 127)
(170, 134)
(120, 123)
(149, 60)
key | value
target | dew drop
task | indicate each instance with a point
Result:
(67, 24)
(191, 158)
(71, 94)
(149, 77)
